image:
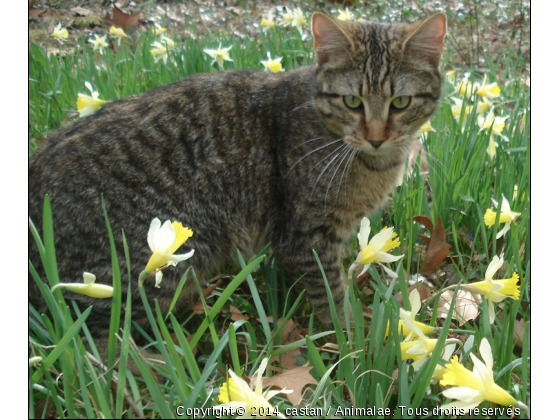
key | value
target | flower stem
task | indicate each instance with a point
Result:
(141, 279)
(524, 408)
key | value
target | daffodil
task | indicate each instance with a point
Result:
(163, 241)
(274, 66)
(88, 104)
(495, 290)
(506, 216)
(487, 91)
(492, 124)
(464, 87)
(118, 34)
(447, 353)
(345, 15)
(415, 304)
(161, 49)
(99, 43)
(219, 55)
(451, 76)
(268, 22)
(88, 287)
(426, 128)
(236, 393)
(34, 361)
(376, 250)
(472, 388)
(294, 18)
(60, 33)
(158, 30)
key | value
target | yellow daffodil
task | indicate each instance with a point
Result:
(492, 147)
(425, 129)
(118, 34)
(236, 393)
(158, 30)
(487, 91)
(60, 33)
(294, 18)
(464, 87)
(219, 55)
(492, 124)
(88, 287)
(99, 43)
(274, 66)
(415, 304)
(376, 250)
(506, 216)
(161, 49)
(89, 104)
(163, 241)
(451, 76)
(495, 290)
(268, 22)
(472, 388)
(345, 15)
(447, 353)
(418, 348)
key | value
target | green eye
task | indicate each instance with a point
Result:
(401, 102)
(352, 102)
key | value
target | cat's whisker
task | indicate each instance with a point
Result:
(323, 159)
(346, 170)
(313, 151)
(344, 155)
(324, 169)
(303, 105)
(307, 141)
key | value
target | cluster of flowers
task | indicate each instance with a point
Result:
(479, 98)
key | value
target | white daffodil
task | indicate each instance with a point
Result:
(236, 393)
(158, 30)
(345, 15)
(164, 240)
(492, 124)
(89, 104)
(99, 43)
(495, 290)
(376, 250)
(161, 49)
(506, 216)
(60, 33)
(472, 388)
(274, 66)
(487, 91)
(268, 22)
(219, 55)
(88, 287)
(415, 305)
(294, 18)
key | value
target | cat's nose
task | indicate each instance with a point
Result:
(376, 143)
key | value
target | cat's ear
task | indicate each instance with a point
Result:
(424, 39)
(331, 40)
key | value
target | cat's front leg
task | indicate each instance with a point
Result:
(301, 261)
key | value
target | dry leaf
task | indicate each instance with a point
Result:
(466, 306)
(437, 247)
(236, 314)
(423, 291)
(519, 332)
(290, 334)
(124, 20)
(295, 379)
(33, 11)
(81, 11)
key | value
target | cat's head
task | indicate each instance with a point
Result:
(377, 83)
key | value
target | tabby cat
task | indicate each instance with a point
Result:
(243, 158)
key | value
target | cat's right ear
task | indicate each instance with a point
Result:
(331, 41)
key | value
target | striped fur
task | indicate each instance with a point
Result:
(243, 158)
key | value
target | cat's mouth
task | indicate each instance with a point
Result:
(372, 148)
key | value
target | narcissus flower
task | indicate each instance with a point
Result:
(219, 55)
(164, 240)
(506, 216)
(376, 250)
(492, 124)
(34, 361)
(268, 22)
(158, 30)
(274, 66)
(472, 388)
(495, 290)
(118, 34)
(415, 304)
(59, 33)
(161, 49)
(426, 128)
(345, 15)
(88, 287)
(88, 104)
(294, 18)
(99, 43)
(236, 393)
(487, 91)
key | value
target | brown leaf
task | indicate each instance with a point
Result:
(519, 332)
(124, 20)
(236, 314)
(423, 291)
(466, 306)
(197, 307)
(290, 334)
(33, 11)
(295, 379)
(82, 11)
(437, 247)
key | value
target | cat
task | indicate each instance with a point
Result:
(243, 158)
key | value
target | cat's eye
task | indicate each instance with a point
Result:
(352, 102)
(400, 103)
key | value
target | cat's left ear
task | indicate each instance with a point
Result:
(424, 40)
